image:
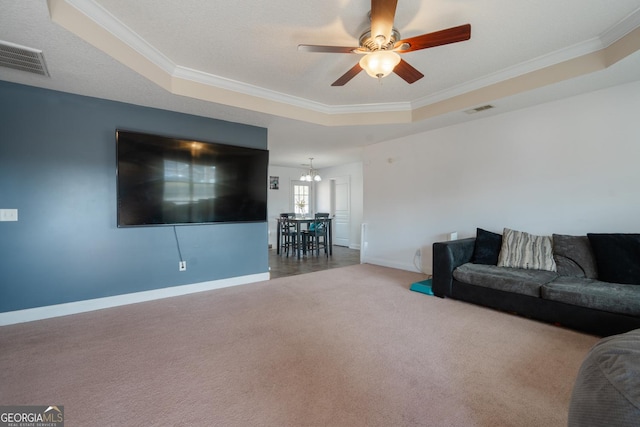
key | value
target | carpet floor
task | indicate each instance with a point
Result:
(350, 346)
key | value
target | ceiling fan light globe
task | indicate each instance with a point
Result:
(317, 178)
(380, 63)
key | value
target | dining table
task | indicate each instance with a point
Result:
(299, 221)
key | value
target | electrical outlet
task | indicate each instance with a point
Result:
(182, 266)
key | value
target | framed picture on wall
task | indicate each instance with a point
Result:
(274, 183)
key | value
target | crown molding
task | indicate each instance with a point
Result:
(605, 40)
(96, 25)
(201, 77)
(104, 19)
(523, 68)
(621, 29)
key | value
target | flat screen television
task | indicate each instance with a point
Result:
(168, 181)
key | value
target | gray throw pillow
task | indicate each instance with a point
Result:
(524, 250)
(574, 256)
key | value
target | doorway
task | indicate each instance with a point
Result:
(341, 210)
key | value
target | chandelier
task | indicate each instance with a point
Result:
(311, 174)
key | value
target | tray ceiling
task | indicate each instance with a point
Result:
(238, 61)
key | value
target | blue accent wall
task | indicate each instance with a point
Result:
(58, 168)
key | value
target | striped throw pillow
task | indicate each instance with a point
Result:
(524, 250)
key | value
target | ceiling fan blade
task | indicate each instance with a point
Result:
(438, 38)
(326, 49)
(382, 14)
(348, 75)
(407, 72)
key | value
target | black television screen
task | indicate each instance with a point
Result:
(165, 181)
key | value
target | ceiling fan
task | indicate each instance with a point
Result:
(381, 45)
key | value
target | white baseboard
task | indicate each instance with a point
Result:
(39, 313)
(392, 264)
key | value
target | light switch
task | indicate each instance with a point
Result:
(8, 214)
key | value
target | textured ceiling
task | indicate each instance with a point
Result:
(255, 42)
(249, 50)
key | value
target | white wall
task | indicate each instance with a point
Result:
(279, 201)
(570, 166)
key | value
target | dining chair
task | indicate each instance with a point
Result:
(288, 234)
(315, 237)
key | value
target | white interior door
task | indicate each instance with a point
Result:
(341, 211)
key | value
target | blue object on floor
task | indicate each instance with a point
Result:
(422, 287)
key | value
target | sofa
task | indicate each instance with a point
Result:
(588, 283)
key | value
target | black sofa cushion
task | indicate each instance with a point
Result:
(590, 293)
(516, 280)
(617, 257)
(487, 247)
(574, 256)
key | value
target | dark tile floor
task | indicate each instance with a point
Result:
(282, 266)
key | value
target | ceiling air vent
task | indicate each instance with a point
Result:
(22, 58)
(478, 109)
